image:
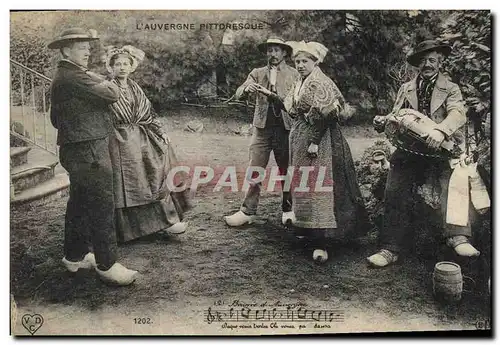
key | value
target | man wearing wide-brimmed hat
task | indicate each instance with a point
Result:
(271, 125)
(80, 111)
(433, 95)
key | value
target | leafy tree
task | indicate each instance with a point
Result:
(469, 32)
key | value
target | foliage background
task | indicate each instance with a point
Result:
(367, 49)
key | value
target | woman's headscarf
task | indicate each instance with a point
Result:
(316, 49)
(134, 53)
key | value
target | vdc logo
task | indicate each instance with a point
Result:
(32, 323)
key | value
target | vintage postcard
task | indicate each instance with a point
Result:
(250, 172)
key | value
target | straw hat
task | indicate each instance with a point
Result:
(275, 41)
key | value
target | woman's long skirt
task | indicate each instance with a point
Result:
(138, 221)
(333, 201)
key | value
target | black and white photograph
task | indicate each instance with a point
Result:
(250, 172)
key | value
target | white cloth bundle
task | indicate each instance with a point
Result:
(465, 186)
(478, 193)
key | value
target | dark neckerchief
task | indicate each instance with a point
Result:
(424, 93)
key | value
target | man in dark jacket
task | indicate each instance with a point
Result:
(271, 125)
(433, 95)
(80, 111)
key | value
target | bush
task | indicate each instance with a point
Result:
(372, 177)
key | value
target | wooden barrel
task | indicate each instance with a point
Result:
(447, 282)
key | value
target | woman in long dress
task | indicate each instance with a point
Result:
(329, 205)
(142, 157)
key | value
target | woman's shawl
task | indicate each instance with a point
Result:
(316, 93)
(136, 110)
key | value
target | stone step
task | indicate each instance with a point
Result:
(30, 174)
(19, 155)
(41, 157)
(43, 193)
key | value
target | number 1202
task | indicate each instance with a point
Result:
(142, 320)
